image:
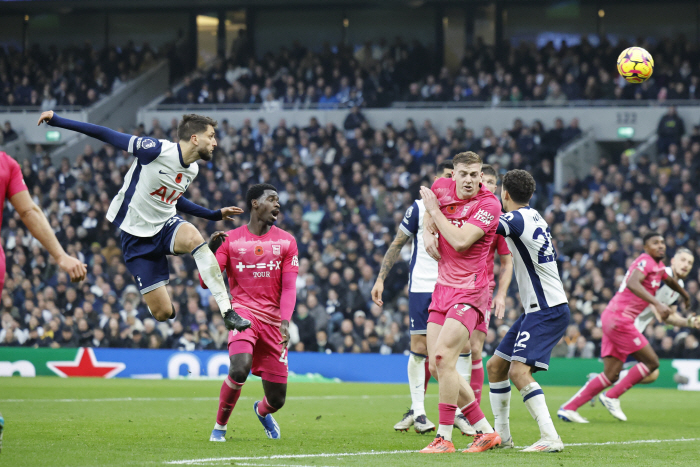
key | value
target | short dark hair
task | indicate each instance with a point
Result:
(442, 166)
(255, 192)
(520, 185)
(193, 124)
(649, 236)
(487, 169)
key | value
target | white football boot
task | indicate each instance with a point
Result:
(546, 445)
(422, 425)
(613, 406)
(462, 423)
(406, 422)
(570, 416)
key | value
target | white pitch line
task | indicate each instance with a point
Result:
(377, 453)
(181, 399)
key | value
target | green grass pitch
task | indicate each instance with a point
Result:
(54, 422)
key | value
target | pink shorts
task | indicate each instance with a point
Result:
(620, 337)
(464, 305)
(262, 341)
(484, 326)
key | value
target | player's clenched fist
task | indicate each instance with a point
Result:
(45, 117)
(73, 267)
(216, 239)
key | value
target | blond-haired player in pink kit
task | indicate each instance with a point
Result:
(262, 263)
(621, 338)
(465, 214)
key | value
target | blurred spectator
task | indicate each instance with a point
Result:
(75, 75)
(342, 198)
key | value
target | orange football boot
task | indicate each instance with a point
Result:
(484, 442)
(438, 446)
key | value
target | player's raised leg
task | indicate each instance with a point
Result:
(275, 395)
(189, 240)
(611, 371)
(159, 303)
(239, 369)
(648, 363)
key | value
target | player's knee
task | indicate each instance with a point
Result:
(432, 367)
(517, 372)
(653, 365)
(493, 367)
(162, 314)
(276, 400)
(238, 374)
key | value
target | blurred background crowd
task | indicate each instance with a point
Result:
(343, 193)
(379, 74)
(344, 189)
(73, 76)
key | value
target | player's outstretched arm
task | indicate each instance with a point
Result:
(634, 283)
(387, 263)
(671, 282)
(116, 139)
(37, 224)
(188, 207)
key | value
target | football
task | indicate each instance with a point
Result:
(635, 64)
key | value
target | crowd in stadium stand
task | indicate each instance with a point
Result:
(343, 193)
(50, 77)
(377, 74)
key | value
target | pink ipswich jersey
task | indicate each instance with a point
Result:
(501, 246)
(11, 179)
(627, 303)
(11, 183)
(467, 269)
(254, 266)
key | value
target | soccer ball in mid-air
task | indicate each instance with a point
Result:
(635, 64)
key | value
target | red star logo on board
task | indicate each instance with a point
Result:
(85, 364)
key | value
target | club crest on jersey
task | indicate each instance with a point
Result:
(258, 250)
(484, 217)
(276, 249)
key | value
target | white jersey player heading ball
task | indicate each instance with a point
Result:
(145, 209)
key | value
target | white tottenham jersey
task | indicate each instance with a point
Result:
(423, 269)
(665, 295)
(152, 186)
(534, 259)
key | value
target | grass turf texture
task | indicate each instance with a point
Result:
(318, 418)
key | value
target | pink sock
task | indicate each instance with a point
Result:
(477, 380)
(230, 392)
(635, 375)
(427, 375)
(473, 412)
(447, 413)
(265, 408)
(588, 392)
